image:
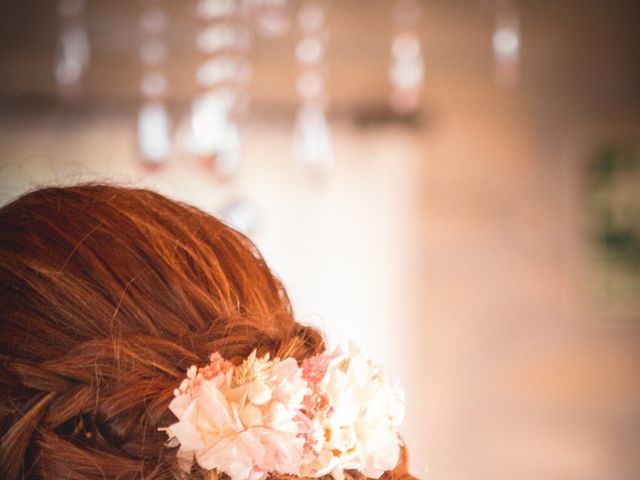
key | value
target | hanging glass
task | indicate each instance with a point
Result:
(406, 71)
(312, 136)
(154, 125)
(73, 50)
(212, 131)
(506, 44)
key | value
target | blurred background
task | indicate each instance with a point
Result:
(453, 184)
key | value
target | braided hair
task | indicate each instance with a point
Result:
(107, 295)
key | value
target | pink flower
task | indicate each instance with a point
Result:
(244, 421)
(315, 368)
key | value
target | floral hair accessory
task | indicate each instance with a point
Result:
(337, 411)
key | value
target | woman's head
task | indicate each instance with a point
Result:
(107, 296)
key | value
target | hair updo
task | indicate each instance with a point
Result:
(107, 296)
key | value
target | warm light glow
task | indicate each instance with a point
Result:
(153, 132)
(506, 41)
(309, 50)
(313, 145)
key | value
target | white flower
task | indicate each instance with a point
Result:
(361, 426)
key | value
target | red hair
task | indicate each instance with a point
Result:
(107, 296)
